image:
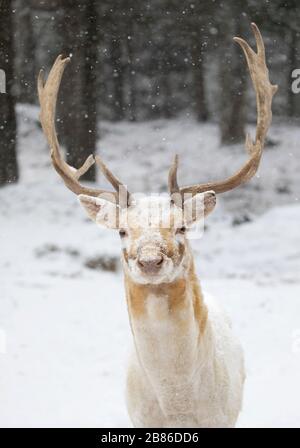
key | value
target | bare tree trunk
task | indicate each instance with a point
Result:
(77, 104)
(233, 85)
(25, 52)
(198, 75)
(166, 93)
(8, 157)
(131, 72)
(165, 86)
(90, 75)
(118, 77)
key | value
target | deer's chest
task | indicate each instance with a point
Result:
(166, 339)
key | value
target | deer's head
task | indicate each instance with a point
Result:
(152, 231)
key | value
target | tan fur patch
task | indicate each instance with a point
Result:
(136, 295)
(165, 233)
(175, 293)
(200, 309)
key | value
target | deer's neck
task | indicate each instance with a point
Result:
(168, 323)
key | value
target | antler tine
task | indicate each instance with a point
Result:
(115, 182)
(48, 93)
(176, 197)
(172, 181)
(260, 78)
(264, 95)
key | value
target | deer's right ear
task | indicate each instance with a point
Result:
(101, 211)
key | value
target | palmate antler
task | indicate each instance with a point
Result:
(48, 93)
(264, 95)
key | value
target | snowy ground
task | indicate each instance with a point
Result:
(66, 324)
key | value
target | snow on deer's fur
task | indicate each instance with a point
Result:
(186, 368)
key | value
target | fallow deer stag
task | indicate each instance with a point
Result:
(186, 368)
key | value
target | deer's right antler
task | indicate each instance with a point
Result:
(264, 94)
(48, 93)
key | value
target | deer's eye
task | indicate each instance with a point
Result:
(122, 233)
(181, 230)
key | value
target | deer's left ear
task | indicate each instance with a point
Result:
(199, 206)
(101, 211)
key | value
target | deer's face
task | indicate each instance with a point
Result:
(152, 232)
(153, 240)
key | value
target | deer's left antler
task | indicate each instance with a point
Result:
(264, 94)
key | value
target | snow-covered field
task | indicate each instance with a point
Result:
(65, 319)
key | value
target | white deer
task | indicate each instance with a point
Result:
(186, 368)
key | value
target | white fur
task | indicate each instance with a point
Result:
(186, 382)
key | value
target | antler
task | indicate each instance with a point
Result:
(264, 94)
(48, 98)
